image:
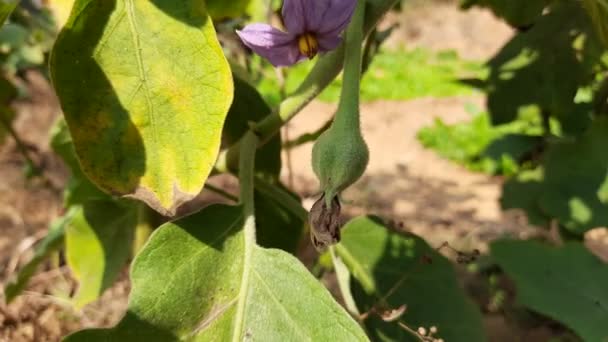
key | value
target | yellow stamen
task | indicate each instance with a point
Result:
(308, 44)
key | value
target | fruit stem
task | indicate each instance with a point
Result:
(347, 116)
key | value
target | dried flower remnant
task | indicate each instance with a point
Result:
(312, 27)
(325, 223)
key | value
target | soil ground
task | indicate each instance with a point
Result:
(431, 196)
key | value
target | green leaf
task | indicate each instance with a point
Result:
(249, 106)
(394, 269)
(576, 180)
(523, 72)
(145, 89)
(6, 8)
(220, 9)
(518, 13)
(51, 242)
(188, 279)
(523, 192)
(278, 227)
(567, 284)
(98, 243)
(571, 185)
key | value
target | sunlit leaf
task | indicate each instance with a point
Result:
(567, 284)
(6, 8)
(188, 279)
(145, 89)
(98, 243)
(392, 270)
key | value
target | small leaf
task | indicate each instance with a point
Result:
(145, 89)
(51, 242)
(395, 271)
(188, 279)
(567, 284)
(6, 8)
(98, 244)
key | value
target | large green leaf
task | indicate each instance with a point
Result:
(145, 89)
(98, 243)
(51, 242)
(192, 282)
(523, 192)
(518, 13)
(523, 72)
(392, 270)
(571, 185)
(6, 8)
(568, 284)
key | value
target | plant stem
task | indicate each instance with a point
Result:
(246, 179)
(347, 115)
(308, 137)
(343, 277)
(144, 228)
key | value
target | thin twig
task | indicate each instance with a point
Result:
(221, 192)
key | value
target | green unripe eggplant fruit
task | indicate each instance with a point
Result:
(340, 156)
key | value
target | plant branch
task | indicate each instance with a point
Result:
(21, 146)
(246, 173)
(323, 73)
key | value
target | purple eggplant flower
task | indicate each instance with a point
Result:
(313, 26)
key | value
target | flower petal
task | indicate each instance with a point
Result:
(302, 16)
(293, 16)
(328, 43)
(336, 17)
(279, 47)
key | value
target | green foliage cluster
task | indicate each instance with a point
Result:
(154, 106)
(547, 95)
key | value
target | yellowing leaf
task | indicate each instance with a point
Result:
(145, 89)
